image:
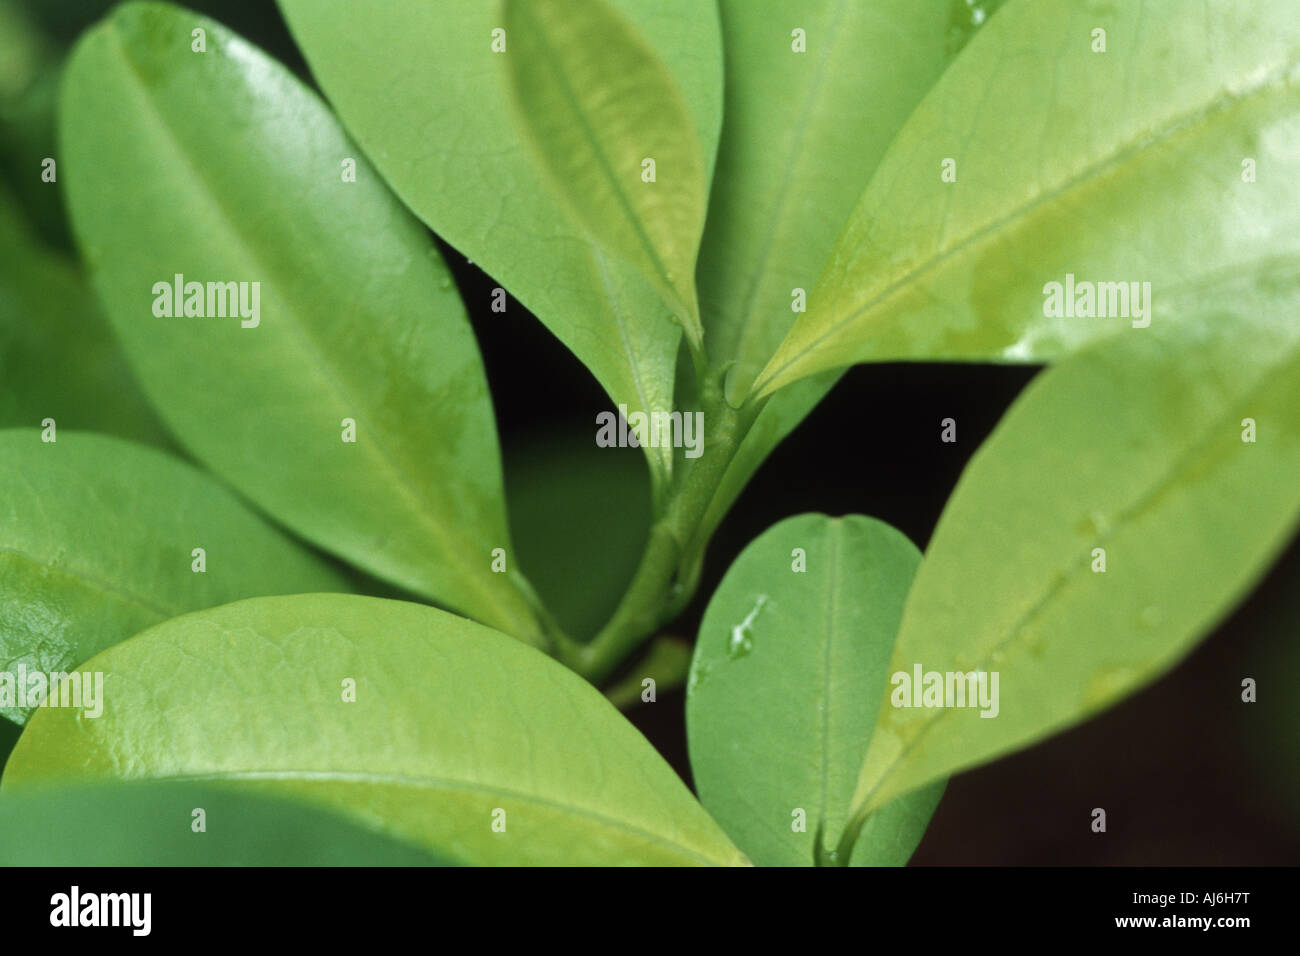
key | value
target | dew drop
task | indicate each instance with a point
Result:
(741, 641)
(967, 17)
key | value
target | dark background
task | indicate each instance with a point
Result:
(1187, 773)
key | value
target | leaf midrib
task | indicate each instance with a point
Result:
(834, 539)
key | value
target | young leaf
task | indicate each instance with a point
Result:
(616, 137)
(57, 355)
(1143, 142)
(1130, 497)
(401, 75)
(814, 94)
(785, 684)
(432, 728)
(98, 541)
(346, 396)
(158, 824)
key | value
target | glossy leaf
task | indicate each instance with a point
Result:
(474, 178)
(97, 539)
(1129, 165)
(58, 358)
(808, 116)
(785, 685)
(1128, 457)
(451, 723)
(154, 825)
(240, 175)
(600, 106)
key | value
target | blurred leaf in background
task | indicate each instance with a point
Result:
(580, 516)
(58, 358)
(30, 62)
(157, 825)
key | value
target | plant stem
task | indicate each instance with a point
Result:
(658, 592)
(844, 849)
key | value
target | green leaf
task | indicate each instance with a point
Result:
(1134, 447)
(420, 87)
(238, 175)
(801, 135)
(607, 116)
(787, 678)
(97, 539)
(154, 825)
(1122, 166)
(451, 723)
(58, 358)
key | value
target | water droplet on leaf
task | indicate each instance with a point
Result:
(741, 641)
(967, 17)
